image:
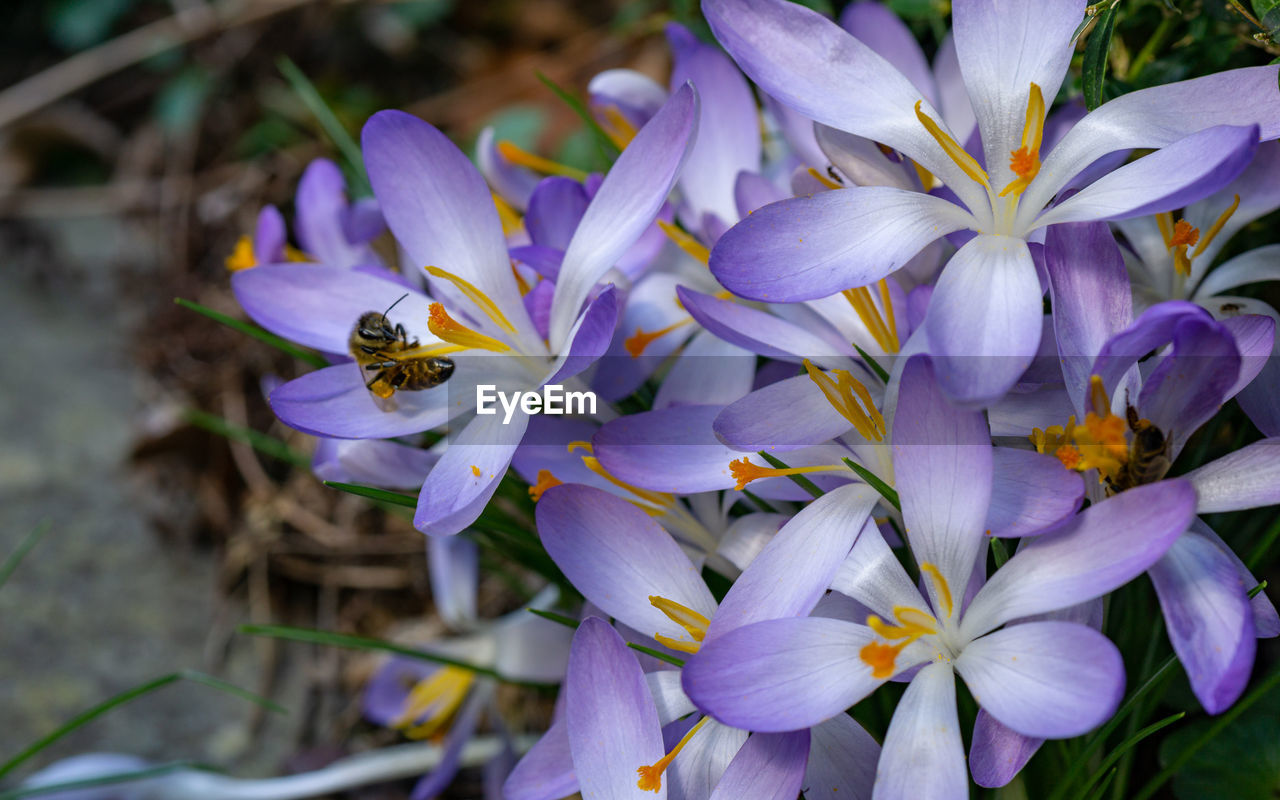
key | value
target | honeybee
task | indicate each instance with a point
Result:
(385, 350)
(1148, 454)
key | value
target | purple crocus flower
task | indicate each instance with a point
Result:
(985, 322)
(1042, 678)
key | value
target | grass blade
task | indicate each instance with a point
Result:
(1095, 58)
(25, 546)
(874, 482)
(658, 654)
(85, 717)
(1123, 748)
(267, 445)
(381, 495)
(608, 150)
(799, 480)
(568, 622)
(333, 127)
(249, 329)
(871, 362)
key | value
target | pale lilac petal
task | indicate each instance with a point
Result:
(747, 536)
(782, 416)
(953, 97)
(752, 190)
(922, 754)
(269, 236)
(1030, 493)
(362, 221)
(842, 761)
(873, 576)
(998, 753)
(589, 337)
(770, 766)
(1209, 620)
(467, 474)
(610, 716)
(797, 565)
(618, 556)
(669, 696)
(320, 206)
(459, 733)
(88, 766)
(1266, 620)
(670, 450)
(880, 29)
(555, 209)
(1255, 336)
(514, 183)
(438, 206)
(809, 247)
(796, 130)
(942, 464)
(1192, 381)
(529, 647)
(759, 331)
(546, 771)
(1101, 549)
(703, 761)
(624, 207)
(1169, 178)
(334, 402)
(781, 675)
(635, 94)
(372, 462)
(1247, 478)
(984, 320)
(1045, 679)
(1255, 266)
(318, 306)
(1259, 190)
(861, 160)
(453, 564)
(709, 371)
(1261, 401)
(1018, 412)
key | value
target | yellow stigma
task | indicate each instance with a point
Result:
(881, 324)
(436, 697)
(1180, 236)
(848, 396)
(242, 256)
(450, 330)
(823, 179)
(651, 775)
(472, 293)
(693, 622)
(546, 166)
(545, 481)
(744, 472)
(1025, 161)
(617, 127)
(685, 241)
(637, 342)
(967, 163)
(508, 216)
(653, 503)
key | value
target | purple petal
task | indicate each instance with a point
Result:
(624, 207)
(984, 320)
(1030, 493)
(1261, 401)
(467, 475)
(453, 564)
(321, 204)
(1266, 620)
(334, 402)
(609, 713)
(515, 184)
(546, 771)
(670, 450)
(759, 331)
(752, 190)
(1150, 331)
(880, 29)
(1101, 549)
(797, 565)
(1191, 382)
(1255, 336)
(922, 754)
(842, 761)
(861, 160)
(942, 465)
(362, 221)
(589, 337)
(703, 761)
(782, 416)
(873, 576)
(555, 209)
(617, 557)
(809, 247)
(1207, 612)
(770, 766)
(460, 732)
(998, 753)
(1045, 679)
(537, 302)
(372, 462)
(781, 675)
(269, 236)
(636, 95)
(1247, 478)
(543, 260)
(709, 371)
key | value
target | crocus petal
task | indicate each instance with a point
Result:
(703, 761)
(1091, 301)
(321, 205)
(752, 190)
(670, 450)
(1257, 265)
(984, 320)
(1192, 381)
(746, 537)
(953, 97)
(998, 753)
(873, 576)
(1266, 620)
(468, 473)
(794, 570)
(618, 556)
(546, 771)
(334, 402)
(759, 331)
(880, 29)
(1030, 493)
(635, 94)
(770, 766)
(515, 184)
(942, 464)
(1210, 624)
(669, 696)
(1002, 50)
(842, 760)
(624, 206)
(1045, 679)
(318, 306)
(88, 766)
(1261, 401)
(1169, 178)
(809, 247)
(1152, 330)
(555, 209)
(709, 370)
(781, 675)
(1247, 478)
(1101, 549)
(373, 462)
(782, 416)
(453, 562)
(589, 337)
(861, 160)
(610, 716)
(438, 206)
(922, 754)
(1255, 336)
(1158, 117)
(269, 236)
(459, 734)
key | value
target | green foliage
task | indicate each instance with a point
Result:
(180, 103)
(77, 24)
(1095, 58)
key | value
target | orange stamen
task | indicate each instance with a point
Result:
(637, 342)
(651, 775)
(545, 481)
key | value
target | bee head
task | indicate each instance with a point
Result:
(375, 327)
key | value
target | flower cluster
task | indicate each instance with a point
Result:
(895, 364)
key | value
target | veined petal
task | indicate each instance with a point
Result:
(1045, 679)
(334, 402)
(797, 565)
(1153, 329)
(998, 753)
(810, 247)
(1206, 610)
(985, 319)
(781, 675)
(761, 332)
(859, 159)
(873, 576)
(710, 371)
(842, 761)
(1101, 549)
(670, 450)
(769, 766)
(669, 696)
(1171, 177)
(321, 204)
(546, 771)
(782, 416)
(1266, 620)
(1256, 266)
(555, 209)
(1192, 381)
(589, 337)
(953, 97)
(1247, 478)
(625, 206)
(880, 29)
(617, 556)
(922, 754)
(610, 716)
(514, 183)
(467, 475)
(1030, 493)
(703, 761)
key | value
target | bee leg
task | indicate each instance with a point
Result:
(370, 350)
(402, 334)
(381, 365)
(399, 380)
(376, 378)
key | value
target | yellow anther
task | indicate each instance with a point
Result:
(744, 472)
(472, 293)
(510, 218)
(927, 179)
(437, 697)
(545, 481)
(694, 623)
(823, 179)
(967, 163)
(581, 444)
(1101, 444)
(637, 342)
(653, 503)
(1208, 238)
(1098, 395)
(940, 586)
(651, 775)
(242, 256)
(617, 127)
(524, 158)
(1052, 437)
(912, 624)
(1025, 161)
(882, 325)
(848, 396)
(295, 255)
(450, 330)
(685, 241)
(1164, 221)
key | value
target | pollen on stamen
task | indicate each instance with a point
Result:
(546, 481)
